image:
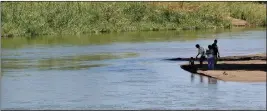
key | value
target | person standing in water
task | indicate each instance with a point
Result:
(210, 58)
(216, 53)
(201, 51)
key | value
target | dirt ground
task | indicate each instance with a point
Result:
(240, 71)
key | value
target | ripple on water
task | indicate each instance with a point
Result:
(102, 77)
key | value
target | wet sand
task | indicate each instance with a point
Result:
(234, 68)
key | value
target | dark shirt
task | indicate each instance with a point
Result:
(215, 49)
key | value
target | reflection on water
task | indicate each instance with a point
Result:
(100, 72)
(212, 80)
(77, 62)
(200, 78)
(129, 37)
(192, 77)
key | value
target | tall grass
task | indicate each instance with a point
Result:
(50, 18)
(254, 13)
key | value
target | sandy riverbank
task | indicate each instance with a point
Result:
(253, 69)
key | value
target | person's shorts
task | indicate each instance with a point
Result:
(202, 58)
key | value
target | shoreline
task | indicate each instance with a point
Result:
(10, 36)
(246, 68)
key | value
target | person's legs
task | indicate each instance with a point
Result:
(212, 60)
(202, 58)
(215, 59)
(201, 61)
(209, 64)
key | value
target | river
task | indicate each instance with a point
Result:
(124, 71)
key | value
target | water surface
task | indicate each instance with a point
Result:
(124, 71)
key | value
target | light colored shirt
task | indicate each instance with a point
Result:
(201, 51)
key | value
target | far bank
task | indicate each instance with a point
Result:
(77, 18)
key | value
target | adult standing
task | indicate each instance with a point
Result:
(210, 58)
(201, 52)
(216, 53)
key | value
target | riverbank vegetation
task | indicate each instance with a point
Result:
(74, 18)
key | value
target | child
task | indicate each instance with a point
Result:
(191, 61)
(210, 58)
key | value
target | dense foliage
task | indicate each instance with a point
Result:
(50, 18)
